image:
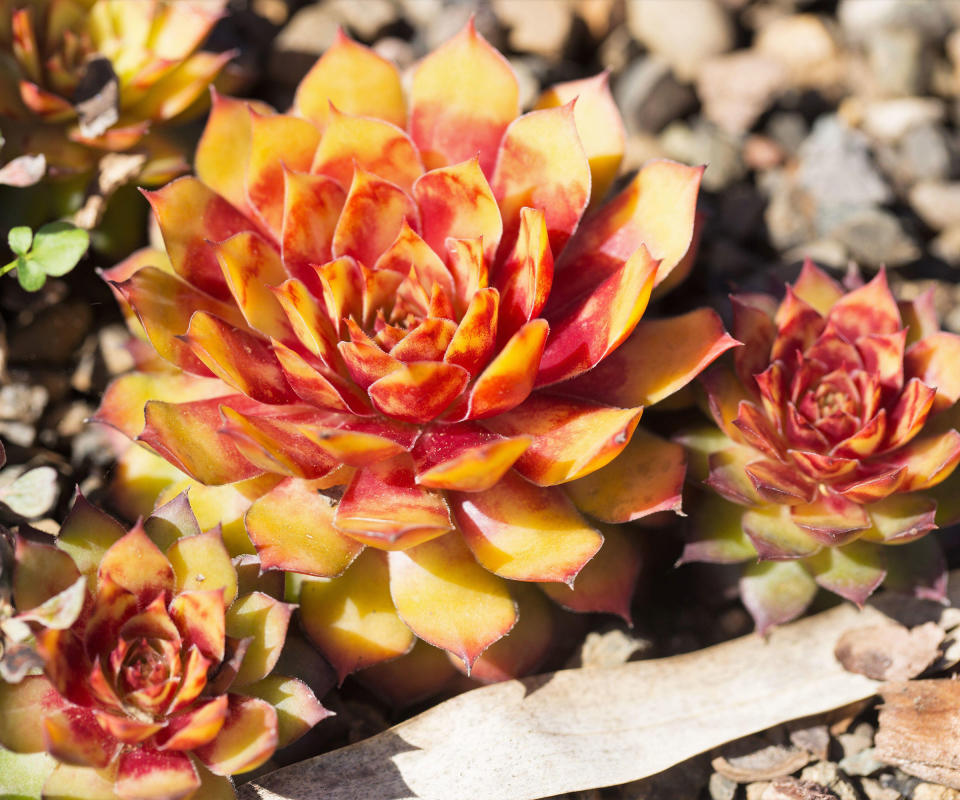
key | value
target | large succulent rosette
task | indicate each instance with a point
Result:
(160, 688)
(836, 421)
(79, 78)
(418, 307)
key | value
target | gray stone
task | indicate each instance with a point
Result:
(396, 51)
(721, 787)
(855, 741)
(736, 88)
(836, 167)
(112, 341)
(788, 129)
(366, 19)
(536, 26)
(649, 96)
(898, 63)
(874, 790)
(889, 120)
(828, 775)
(803, 44)
(705, 144)
(789, 215)
(22, 402)
(617, 50)
(937, 203)
(947, 246)
(863, 19)
(310, 31)
(825, 252)
(924, 154)
(876, 238)
(862, 763)
(685, 40)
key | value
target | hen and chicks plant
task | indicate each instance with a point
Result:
(156, 661)
(412, 333)
(836, 428)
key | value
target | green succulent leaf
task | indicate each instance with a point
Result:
(20, 239)
(58, 246)
(23, 775)
(30, 274)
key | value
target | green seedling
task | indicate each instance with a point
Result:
(52, 251)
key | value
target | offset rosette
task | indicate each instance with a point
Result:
(81, 77)
(418, 307)
(837, 418)
(161, 687)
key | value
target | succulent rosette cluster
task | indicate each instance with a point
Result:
(406, 336)
(836, 428)
(160, 687)
(79, 78)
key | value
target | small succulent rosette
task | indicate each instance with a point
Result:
(836, 427)
(161, 686)
(79, 78)
(406, 337)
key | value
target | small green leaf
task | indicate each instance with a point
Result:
(30, 274)
(20, 239)
(58, 246)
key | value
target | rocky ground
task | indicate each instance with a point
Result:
(830, 130)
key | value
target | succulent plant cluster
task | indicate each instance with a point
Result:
(833, 421)
(156, 664)
(396, 346)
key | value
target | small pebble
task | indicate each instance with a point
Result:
(755, 790)
(721, 787)
(874, 790)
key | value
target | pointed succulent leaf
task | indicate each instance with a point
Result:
(776, 592)
(448, 599)
(265, 619)
(352, 618)
(525, 532)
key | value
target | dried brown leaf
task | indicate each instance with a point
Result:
(23, 171)
(767, 763)
(889, 651)
(920, 729)
(815, 739)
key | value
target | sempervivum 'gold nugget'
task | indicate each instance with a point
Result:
(418, 307)
(837, 418)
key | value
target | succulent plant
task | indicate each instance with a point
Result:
(79, 78)
(419, 308)
(161, 686)
(836, 421)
